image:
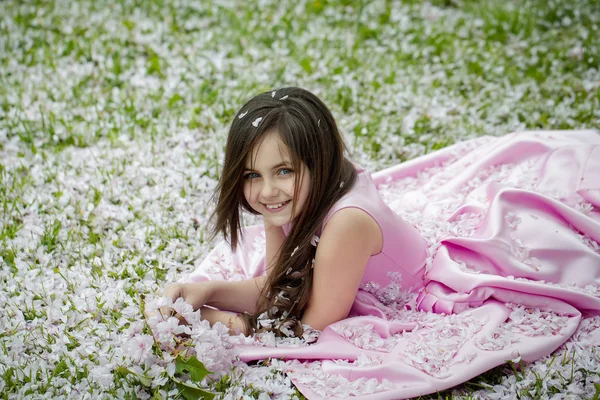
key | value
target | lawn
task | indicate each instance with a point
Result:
(113, 117)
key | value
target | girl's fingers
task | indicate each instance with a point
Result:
(174, 292)
(166, 312)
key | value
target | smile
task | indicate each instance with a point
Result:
(276, 206)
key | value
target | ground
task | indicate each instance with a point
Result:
(113, 116)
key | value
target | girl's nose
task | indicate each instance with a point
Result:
(268, 190)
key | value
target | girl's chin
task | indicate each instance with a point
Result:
(277, 220)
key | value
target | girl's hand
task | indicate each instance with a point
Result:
(197, 294)
(231, 320)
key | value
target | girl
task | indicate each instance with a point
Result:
(327, 231)
(510, 229)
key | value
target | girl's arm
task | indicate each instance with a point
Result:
(350, 237)
(236, 296)
(230, 320)
(242, 296)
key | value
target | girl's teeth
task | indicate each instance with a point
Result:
(274, 206)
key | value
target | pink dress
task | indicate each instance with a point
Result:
(401, 262)
(490, 252)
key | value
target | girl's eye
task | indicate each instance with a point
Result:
(251, 175)
(285, 171)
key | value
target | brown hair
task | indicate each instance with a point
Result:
(306, 126)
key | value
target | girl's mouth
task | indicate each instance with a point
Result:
(276, 207)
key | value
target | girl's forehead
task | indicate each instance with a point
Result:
(269, 148)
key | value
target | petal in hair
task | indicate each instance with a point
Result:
(242, 115)
(314, 240)
(294, 252)
(256, 122)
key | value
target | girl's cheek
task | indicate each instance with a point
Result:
(291, 188)
(255, 192)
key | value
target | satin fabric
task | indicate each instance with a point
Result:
(510, 263)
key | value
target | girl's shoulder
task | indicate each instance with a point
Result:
(351, 224)
(356, 213)
(363, 196)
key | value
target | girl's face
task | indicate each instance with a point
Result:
(269, 181)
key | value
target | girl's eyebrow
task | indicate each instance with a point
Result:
(281, 164)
